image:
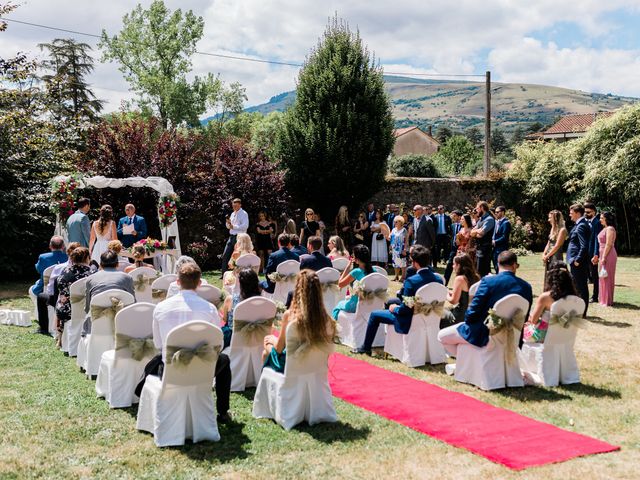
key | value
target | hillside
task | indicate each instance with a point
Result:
(460, 104)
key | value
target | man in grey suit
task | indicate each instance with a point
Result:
(78, 226)
(107, 278)
(422, 230)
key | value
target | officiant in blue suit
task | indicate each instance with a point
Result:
(131, 228)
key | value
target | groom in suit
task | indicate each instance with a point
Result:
(400, 316)
(78, 225)
(139, 227)
(578, 256)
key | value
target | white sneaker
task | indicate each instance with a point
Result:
(450, 368)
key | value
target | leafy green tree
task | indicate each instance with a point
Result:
(414, 165)
(337, 136)
(517, 136)
(264, 134)
(458, 157)
(499, 142)
(443, 134)
(535, 127)
(474, 135)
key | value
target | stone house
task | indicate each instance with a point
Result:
(414, 140)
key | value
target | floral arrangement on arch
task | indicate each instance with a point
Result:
(151, 245)
(167, 208)
(63, 197)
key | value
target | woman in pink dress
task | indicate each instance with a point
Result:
(607, 258)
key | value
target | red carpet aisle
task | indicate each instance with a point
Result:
(500, 435)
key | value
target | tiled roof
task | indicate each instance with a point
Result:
(576, 123)
(401, 131)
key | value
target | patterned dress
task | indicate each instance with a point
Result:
(398, 240)
(69, 276)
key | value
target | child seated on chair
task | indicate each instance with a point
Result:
(249, 287)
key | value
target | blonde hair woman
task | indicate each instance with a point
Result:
(397, 244)
(243, 246)
(337, 249)
(139, 252)
(315, 326)
(310, 228)
(343, 226)
(558, 235)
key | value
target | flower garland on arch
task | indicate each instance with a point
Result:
(167, 209)
(64, 196)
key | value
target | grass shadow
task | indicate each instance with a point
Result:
(591, 390)
(233, 447)
(608, 323)
(334, 432)
(628, 306)
(532, 394)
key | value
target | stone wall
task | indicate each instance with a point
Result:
(450, 192)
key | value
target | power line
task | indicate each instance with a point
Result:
(245, 59)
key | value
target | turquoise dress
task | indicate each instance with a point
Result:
(349, 304)
(227, 329)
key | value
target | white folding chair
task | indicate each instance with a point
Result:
(249, 260)
(553, 362)
(73, 327)
(247, 341)
(283, 287)
(180, 405)
(143, 278)
(420, 345)
(302, 392)
(122, 265)
(101, 338)
(160, 286)
(34, 301)
(380, 270)
(340, 264)
(119, 371)
(46, 276)
(472, 291)
(487, 367)
(330, 291)
(354, 325)
(211, 294)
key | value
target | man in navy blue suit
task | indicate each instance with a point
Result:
(593, 218)
(400, 316)
(578, 256)
(314, 260)
(491, 289)
(500, 235)
(294, 244)
(276, 258)
(456, 215)
(131, 228)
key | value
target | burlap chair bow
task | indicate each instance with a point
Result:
(159, 293)
(251, 329)
(139, 347)
(218, 303)
(76, 298)
(497, 324)
(365, 295)
(428, 308)
(141, 282)
(276, 277)
(330, 286)
(109, 312)
(568, 319)
(182, 356)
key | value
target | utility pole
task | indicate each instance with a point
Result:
(487, 126)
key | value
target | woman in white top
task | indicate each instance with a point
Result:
(337, 248)
(380, 234)
(103, 231)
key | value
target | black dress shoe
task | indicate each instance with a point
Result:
(224, 418)
(361, 351)
(593, 300)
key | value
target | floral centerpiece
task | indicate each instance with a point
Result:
(151, 245)
(63, 197)
(167, 208)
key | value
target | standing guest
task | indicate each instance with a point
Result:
(398, 250)
(392, 212)
(139, 252)
(323, 229)
(578, 253)
(274, 232)
(249, 287)
(483, 234)
(371, 213)
(78, 225)
(466, 243)
(593, 218)
(289, 224)
(456, 216)
(443, 236)
(343, 226)
(428, 211)
(264, 242)
(421, 231)
(501, 235)
(400, 316)
(379, 236)
(360, 268)
(310, 228)
(491, 289)
(182, 308)
(553, 250)
(315, 260)
(315, 327)
(45, 260)
(361, 230)
(281, 255)
(466, 275)
(607, 258)
(103, 231)
(131, 227)
(237, 222)
(78, 269)
(337, 248)
(296, 247)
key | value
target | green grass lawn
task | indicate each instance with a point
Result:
(53, 426)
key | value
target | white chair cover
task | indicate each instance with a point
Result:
(34, 301)
(302, 392)
(245, 350)
(211, 294)
(330, 292)
(101, 338)
(250, 260)
(554, 361)
(472, 291)
(284, 287)
(181, 405)
(119, 372)
(380, 270)
(340, 264)
(421, 343)
(160, 286)
(143, 291)
(354, 325)
(46, 275)
(487, 367)
(73, 328)
(122, 265)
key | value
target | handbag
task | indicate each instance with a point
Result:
(602, 273)
(379, 236)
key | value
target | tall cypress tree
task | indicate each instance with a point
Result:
(337, 136)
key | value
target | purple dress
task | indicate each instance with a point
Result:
(607, 284)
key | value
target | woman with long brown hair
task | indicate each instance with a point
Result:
(103, 231)
(466, 275)
(558, 235)
(315, 327)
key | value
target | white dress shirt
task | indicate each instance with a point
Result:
(239, 222)
(174, 288)
(184, 307)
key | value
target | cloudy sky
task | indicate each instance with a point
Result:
(592, 45)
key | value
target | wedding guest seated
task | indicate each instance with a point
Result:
(174, 288)
(337, 248)
(276, 258)
(55, 256)
(491, 289)
(400, 316)
(357, 270)
(296, 247)
(249, 287)
(315, 259)
(466, 275)
(44, 293)
(139, 252)
(107, 278)
(243, 246)
(78, 269)
(116, 247)
(185, 307)
(558, 284)
(315, 327)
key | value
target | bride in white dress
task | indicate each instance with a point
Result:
(103, 231)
